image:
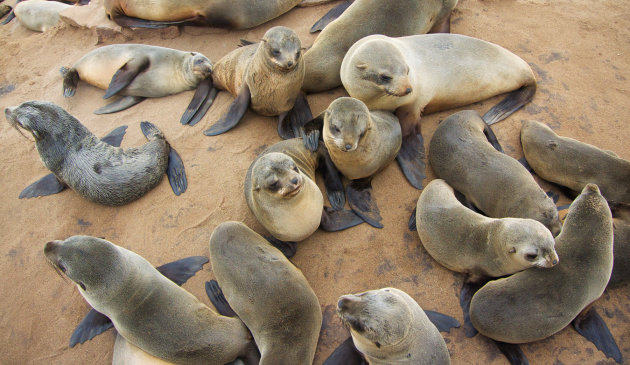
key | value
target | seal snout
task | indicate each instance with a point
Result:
(9, 113)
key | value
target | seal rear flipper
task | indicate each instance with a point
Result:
(131, 22)
(412, 221)
(492, 138)
(345, 354)
(291, 124)
(330, 16)
(70, 81)
(465, 296)
(234, 114)
(176, 173)
(125, 75)
(115, 137)
(181, 270)
(332, 180)
(214, 292)
(93, 324)
(119, 104)
(312, 132)
(511, 103)
(288, 248)
(442, 26)
(338, 220)
(590, 325)
(360, 199)
(513, 353)
(200, 103)
(47, 185)
(411, 159)
(443, 322)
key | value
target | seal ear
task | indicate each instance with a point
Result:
(513, 250)
(361, 66)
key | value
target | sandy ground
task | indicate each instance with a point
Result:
(579, 50)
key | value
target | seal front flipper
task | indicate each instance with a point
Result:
(291, 124)
(443, 322)
(338, 220)
(181, 270)
(411, 159)
(93, 324)
(492, 138)
(234, 114)
(288, 248)
(511, 103)
(330, 16)
(412, 225)
(332, 180)
(360, 199)
(312, 132)
(119, 104)
(125, 75)
(513, 353)
(115, 137)
(345, 354)
(70, 81)
(200, 103)
(175, 170)
(214, 292)
(590, 325)
(47, 185)
(465, 296)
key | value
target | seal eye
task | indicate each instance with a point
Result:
(335, 129)
(362, 134)
(298, 54)
(275, 52)
(82, 285)
(62, 267)
(385, 78)
(295, 168)
(274, 185)
(531, 256)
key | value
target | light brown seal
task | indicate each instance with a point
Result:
(497, 184)
(139, 300)
(270, 295)
(39, 15)
(621, 248)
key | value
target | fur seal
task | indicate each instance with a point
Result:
(497, 184)
(465, 241)
(39, 15)
(140, 71)
(268, 293)
(267, 77)
(94, 169)
(536, 303)
(366, 17)
(388, 326)
(621, 248)
(139, 300)
(571, 163)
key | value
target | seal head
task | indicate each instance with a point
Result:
(282, 47)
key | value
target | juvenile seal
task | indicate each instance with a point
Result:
(571, 163)
(265, 76)
(388, 326)
(465, 241)
(39, 15)
(536, 303)
(140, 71)
(621, 248)
(94, 169)
(497, 184)
(270, 295)
(366, 17)
(139, 300)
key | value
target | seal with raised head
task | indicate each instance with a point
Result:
(571, 163)
(140, 71)
(536, 303)
(39, 15)
(465, 241)
(268, 293)
(388, 326)
(140, 301)
(461, 152)
(266, 76)
(98, 171)
(363, 18)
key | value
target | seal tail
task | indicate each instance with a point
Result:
(150, 130)
(512, 102)
(70, 81)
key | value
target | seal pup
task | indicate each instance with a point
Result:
(39, 15)
(183, 330)
(363, 18)
(140, 71)
(571, 163)
(268, 293)
(460, 152)
(280, 190)
(536, 303)
(621, 248)
(267, 77)
(360, 144)
(94, 169)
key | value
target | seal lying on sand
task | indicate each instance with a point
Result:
(39, 15)
(94, 169)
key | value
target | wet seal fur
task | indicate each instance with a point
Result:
(465, 241)
(363, 18)
(497, 184)
(138, 299)
(38, 15)
(268, 293)
(388, 326)
(139, 71)
(94, 169)
(571, 163)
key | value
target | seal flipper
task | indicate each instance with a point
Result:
(181, 270)
(291, 124)
(332, 180)
(330, 16)
(525, 164)
(47, 185)
(288, 248)
(360, 199)
(338, 220)
(411, 159)
(200, 103)
(590, 325)
(234, 114)
(119, 104)
(511, 103)
(70, 81)
(513, 353)
(412, 220)
(492, 138)
(131, 22)
(125, 75)
(176, 172)
(93, 324)
(345, 354)
(465, 296)
(9, 17)
(312, 132)
(443, 322)
(115, 137)
(214, 292)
